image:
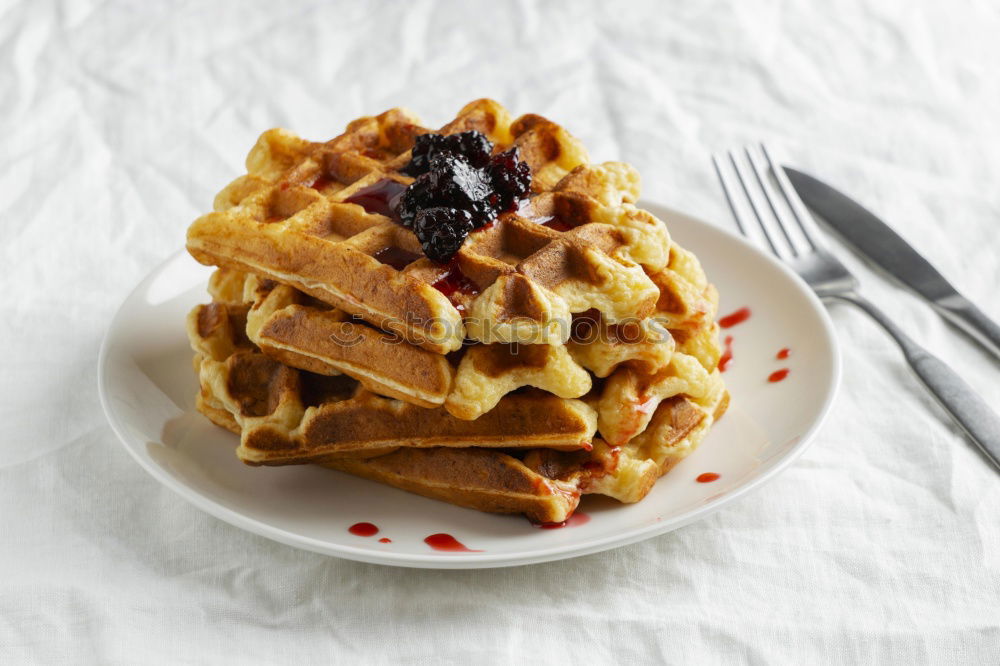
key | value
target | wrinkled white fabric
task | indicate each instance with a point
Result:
(121, 119)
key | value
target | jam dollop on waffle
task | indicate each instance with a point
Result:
(460, 186)
(478, 314)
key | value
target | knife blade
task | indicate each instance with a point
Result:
(876, 241)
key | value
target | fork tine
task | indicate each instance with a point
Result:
(769, 194)
(732, 192)
(794, 202)
(753, 205)
(727, 188)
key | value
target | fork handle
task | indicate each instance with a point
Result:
(963, 404)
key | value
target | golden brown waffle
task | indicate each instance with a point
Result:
(627, 473)
(294, 329)
(301, 332)
(286, 416)
(546, 485)
(644, 345)
(629, 398)
(686, 300)
(289, 220)
(331, 339)
(687, 306)
(482, 479)
(489, 372)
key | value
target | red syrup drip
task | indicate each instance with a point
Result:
(385, 540)
(599, 468)
(396, 257)
(575, 520)
(455, 283)
(647, 405)
(488, 225)
(778, 375)
(321, 182)
(363, 529)
(524, 209)
(640, 407)
(707, 477)
(783, 354)
(737, 317)
(449, 543)
(557, 224)
(541, 484)
(727, 354)
(378, 197)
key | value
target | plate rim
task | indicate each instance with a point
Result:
(485, 560)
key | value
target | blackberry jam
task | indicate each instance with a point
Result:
(460, 186)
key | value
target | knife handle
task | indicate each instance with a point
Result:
(963, 313)
(963, 404)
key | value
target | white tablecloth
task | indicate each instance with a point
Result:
(119, 122)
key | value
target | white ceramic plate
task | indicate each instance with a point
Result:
(147, 388)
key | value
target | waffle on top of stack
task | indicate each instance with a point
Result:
(331, 339)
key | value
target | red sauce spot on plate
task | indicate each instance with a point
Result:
(783, 354)
(778, 375)
(448, 543)
(385, 540)
(363, 529)
(727, 354)
(737, 317)
(707, 477)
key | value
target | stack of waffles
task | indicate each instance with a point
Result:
(569, 347)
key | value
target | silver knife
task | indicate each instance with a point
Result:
(875, 240)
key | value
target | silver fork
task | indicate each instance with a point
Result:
(791, 234)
